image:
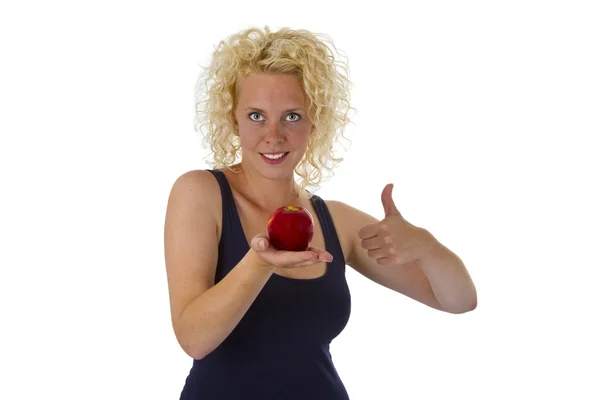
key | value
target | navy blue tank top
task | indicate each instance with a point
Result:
(280, 348)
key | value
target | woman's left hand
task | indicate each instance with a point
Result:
(394, 240)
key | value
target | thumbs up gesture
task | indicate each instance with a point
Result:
(393, 240)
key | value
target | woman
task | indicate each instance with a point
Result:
(257, 321)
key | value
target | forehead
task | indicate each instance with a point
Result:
(271, 87)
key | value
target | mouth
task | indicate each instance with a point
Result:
(274, 158)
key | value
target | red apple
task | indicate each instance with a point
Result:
(291, 228)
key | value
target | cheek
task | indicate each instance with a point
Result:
(249, 139)
(300, 137)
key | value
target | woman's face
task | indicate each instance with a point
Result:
(272, 118)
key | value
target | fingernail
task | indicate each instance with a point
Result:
(261, 244)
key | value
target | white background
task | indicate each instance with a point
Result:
(483, 115)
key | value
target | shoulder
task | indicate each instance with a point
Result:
(336, 207)
(340, 213)
(344, 214)
(194, 181)
(197, 188)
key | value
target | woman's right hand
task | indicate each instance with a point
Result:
(271, 257)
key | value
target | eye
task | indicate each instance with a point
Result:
(297, 115)
(251, 114)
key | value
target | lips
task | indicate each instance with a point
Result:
(273, 161)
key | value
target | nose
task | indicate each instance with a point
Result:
(273, 135)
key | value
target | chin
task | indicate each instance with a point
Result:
(276, 174)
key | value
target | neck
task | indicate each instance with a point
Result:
(267, 194)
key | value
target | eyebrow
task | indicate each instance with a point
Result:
(263, 111)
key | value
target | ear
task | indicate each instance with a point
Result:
(236, 128)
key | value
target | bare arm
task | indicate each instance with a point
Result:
(207, 321)
(437, 279)
(204, 314)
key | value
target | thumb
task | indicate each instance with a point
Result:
(388, 202)
(260, 242)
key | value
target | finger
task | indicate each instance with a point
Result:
(260, 242)
(382, 252)
(368, 231)
(372, 243)
(388, 202)
(390, 260)
(294, 257)
(322, 254)
(305, 264)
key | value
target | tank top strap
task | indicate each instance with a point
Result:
(229, 209)
(232, 244)
(329, 232)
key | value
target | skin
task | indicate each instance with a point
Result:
(271, 116)
(271, 130)
(391, 252)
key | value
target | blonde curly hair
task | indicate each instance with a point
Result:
(298, 52)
